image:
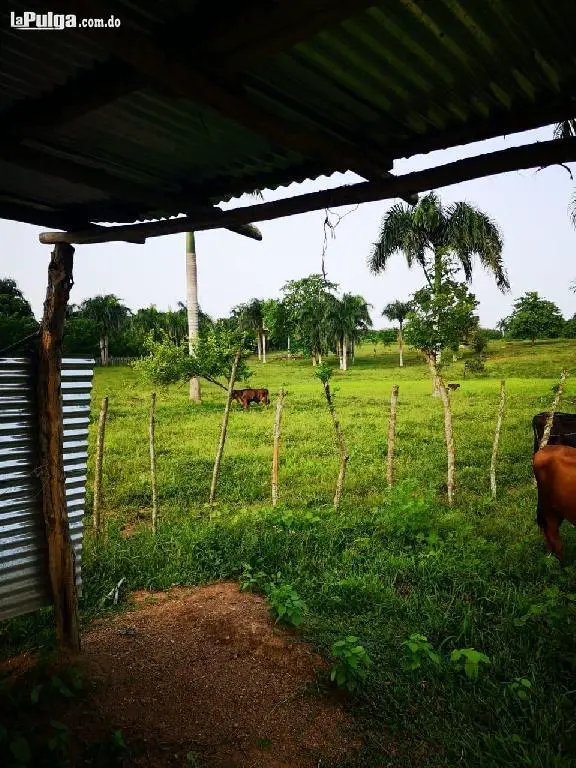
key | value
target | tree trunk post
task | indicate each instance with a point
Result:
(288, 344)
(340, 443)
(401, 346)
(192, 308)
(447, 426)
(497, 438)
(152, 429)
(555, 403)
(276, 451)
(344, 354)
(263, 347)
(98, 468)
(61, 563)
(224, 429)
(391, 436)
(259, 345)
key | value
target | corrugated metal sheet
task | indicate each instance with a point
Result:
(393, 74)
(23, 563)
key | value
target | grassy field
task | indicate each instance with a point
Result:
(385, 566)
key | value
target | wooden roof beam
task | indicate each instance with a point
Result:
(481, 166)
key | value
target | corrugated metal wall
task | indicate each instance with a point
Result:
(23, 563)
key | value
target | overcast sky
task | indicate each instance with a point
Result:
(530, 207)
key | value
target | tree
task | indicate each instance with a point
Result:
(109, 314)
(437, 237)
(250, 318)
(397, 312)
(212, 358)
(534, 318)
(277, 320)
(441, 319)
(306, 301)
(346, 319)
(192, 308)
(17, 322)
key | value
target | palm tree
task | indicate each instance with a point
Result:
(396, 312)
(250, 318)
(436, 237)
(109, 314)
(346, 319)
(192, 308)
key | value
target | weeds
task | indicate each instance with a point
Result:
(352, 665)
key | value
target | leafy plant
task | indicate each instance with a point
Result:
(469, 661)
(520, 687)
(419, 649)
(353, 662)
(287, 605)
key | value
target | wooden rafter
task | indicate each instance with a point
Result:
(516, 158)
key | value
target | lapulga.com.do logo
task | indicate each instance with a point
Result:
(32, 20)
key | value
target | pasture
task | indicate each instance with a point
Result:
(386, 566)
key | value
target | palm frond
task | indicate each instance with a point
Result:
(566, 129)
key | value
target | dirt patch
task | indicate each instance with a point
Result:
(206, 671)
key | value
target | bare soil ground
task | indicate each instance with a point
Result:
(205, 671)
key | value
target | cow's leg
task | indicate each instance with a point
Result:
(551, 531)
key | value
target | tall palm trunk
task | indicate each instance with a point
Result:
(259, 344)
(344, 365)
(263, 347)
(104, 350)
(288, 344)
(192, 308)
(437, 288)
(401, 346)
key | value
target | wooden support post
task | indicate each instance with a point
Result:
(224, 429)
(98, 469)
(153, 462)
(555, 403)
(392, 436)
(275, 454)
(497, 438)
(51, 438)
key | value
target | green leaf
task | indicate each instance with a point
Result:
(20, 749)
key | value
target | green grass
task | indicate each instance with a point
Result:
(383, 567)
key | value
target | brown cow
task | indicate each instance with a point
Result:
(453, 386)
(555, 470)
(247, 396)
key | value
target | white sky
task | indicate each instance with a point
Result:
(530, 207)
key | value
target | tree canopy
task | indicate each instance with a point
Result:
(534, 318)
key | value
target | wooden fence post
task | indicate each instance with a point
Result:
(497, 438)
(153, 461)
(50, 443)
(555, 403)
(98, 469)
(392, 435)
(448, 433)
(339, 441)
(224, 429)
(275, 454)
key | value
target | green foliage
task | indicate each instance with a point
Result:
(213, 356)
(16, 318)
(469, 660)
(443, 318)
(520, 688)
(534, 318)
(397, 311)
(287, 605)
(434, 237)
(323, 372)
(107, 312)
(81, 337)
(352, 663)
(418, 650)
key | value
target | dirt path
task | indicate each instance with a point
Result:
(205, 671)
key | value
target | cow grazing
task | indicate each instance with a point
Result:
(453, 387)
(247, 396)
(563, 429)
(555, 471)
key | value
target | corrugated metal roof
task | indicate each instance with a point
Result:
(24, 582)
(395, 77)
